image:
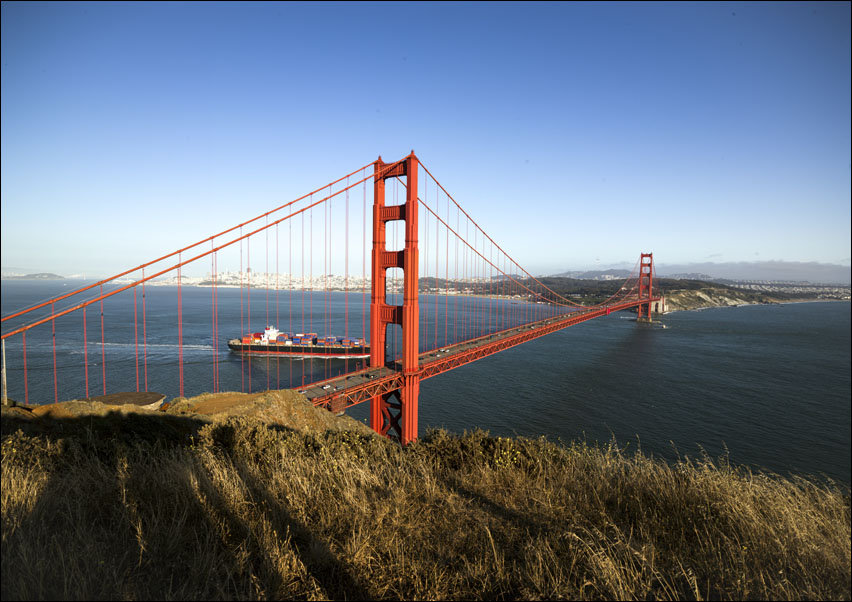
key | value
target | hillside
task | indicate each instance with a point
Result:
(716, 296)
(680, 294)
(38, 276)
(262, 496)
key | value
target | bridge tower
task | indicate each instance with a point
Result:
(394, 413)
(646, 283)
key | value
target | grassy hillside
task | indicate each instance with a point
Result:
(178, 506)
(680, 299)
(680, 294)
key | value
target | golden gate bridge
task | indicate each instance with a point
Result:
(415, 235)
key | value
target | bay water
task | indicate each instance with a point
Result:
(768, 386)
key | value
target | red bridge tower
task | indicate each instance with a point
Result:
(394, 413)
(646, 283)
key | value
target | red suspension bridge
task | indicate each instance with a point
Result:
(476, 301)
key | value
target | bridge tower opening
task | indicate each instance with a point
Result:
(394, 413)
(646, 284)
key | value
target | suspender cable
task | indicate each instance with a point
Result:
(85, 352)
(486, 263)
(424, 340)
(473, 301)
(568, 301)
(103, 343)
(346, 277)
(180, 332)
(464, 283)
(242, 323)
(26, 380)
(364, 265)
(446, 284)
(311, 270)
(504, 295)
(435, 296)
(216, 309)
(266, 272)
(55, 379)
(501, 307)
(424, 313)
(510, 305)
(290, 293)
(136, 338)
(327, 287)
(144, 338)
(213, 319)
(501, 293)
(456, 286)
(303, 288)
(326, 257)
(277, 303)
(266, 232)
(248, 304)
(266, 287)
(490, 289)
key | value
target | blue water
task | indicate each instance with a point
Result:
(767, 385)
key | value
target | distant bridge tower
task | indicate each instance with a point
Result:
(394, 413)
(646, 284)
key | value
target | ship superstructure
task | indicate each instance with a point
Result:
(274, 342)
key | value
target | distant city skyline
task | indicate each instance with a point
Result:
(578, 135)
(767, 270)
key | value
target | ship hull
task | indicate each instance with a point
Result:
(300, 351)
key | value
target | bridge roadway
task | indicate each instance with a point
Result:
(341, 392)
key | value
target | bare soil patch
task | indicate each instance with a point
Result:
(222, 402)
(149, 399)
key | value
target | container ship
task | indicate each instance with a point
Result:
(273, 342)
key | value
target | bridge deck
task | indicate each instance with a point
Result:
(339, 393)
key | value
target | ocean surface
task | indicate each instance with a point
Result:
(768, 386)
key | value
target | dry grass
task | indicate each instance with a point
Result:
(245, 510)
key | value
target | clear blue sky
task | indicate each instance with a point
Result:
(574, 133)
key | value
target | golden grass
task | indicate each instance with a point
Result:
(247, 510)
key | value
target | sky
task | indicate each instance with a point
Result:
(577, 135)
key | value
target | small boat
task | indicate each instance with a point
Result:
(274, 342)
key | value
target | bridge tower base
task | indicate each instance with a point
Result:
(394, 414)
(646, 285)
